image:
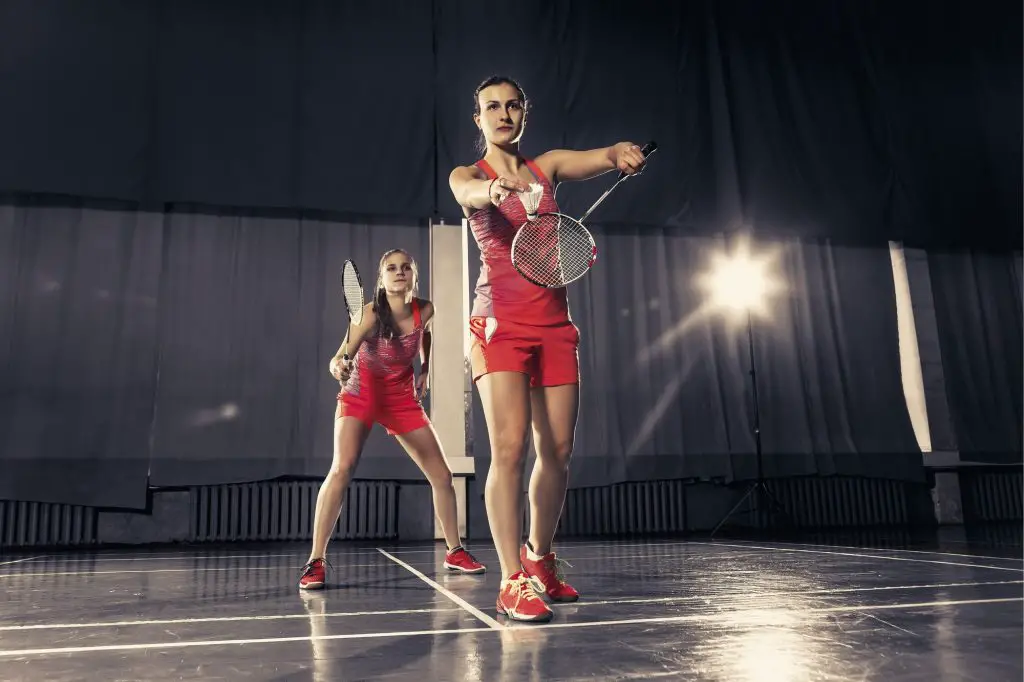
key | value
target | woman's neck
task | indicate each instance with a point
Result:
(504, 157)
(399, 302)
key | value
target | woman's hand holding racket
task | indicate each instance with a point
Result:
(341, 368)
(629, 158)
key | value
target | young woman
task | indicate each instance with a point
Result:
(379, 386)
(525, 347)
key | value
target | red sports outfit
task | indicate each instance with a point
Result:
(382, 386)
(518, 326)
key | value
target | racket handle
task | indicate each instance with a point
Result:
(646, 150)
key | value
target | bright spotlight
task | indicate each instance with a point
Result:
(740, 281)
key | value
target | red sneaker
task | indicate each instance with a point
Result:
(462, 561)
(547, 577)
(518, 601)
(314, 575)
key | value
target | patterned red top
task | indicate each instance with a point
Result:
(387, 362)
(501, 292)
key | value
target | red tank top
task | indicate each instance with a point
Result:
(387, 361)
(501, 292)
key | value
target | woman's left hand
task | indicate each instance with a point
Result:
(422, 385)
(628, 158)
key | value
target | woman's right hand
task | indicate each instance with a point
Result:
(340, 369)
(501, 187)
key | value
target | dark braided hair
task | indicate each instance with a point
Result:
(481, 141)
(387, 328)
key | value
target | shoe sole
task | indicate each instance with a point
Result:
(459, 569)
(522, 619)
(312, 586)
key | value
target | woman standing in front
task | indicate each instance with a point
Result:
(525, 346)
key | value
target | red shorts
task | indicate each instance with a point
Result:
(397, 412)
(549, 355)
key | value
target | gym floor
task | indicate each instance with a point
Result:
(670, 609)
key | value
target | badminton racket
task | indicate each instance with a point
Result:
(352, 290)
(553, 249)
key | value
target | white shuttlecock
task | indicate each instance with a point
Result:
(531, 199)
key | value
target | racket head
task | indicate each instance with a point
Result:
(352, 290)
(553, 250)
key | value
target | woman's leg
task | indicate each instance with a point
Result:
(425, 450)
(554, 410)
(349, 437)
(506, 402)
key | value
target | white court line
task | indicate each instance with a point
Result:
(797, 593)
(625, 600)
(910, 551)
(493, 624)
(240, 569)
(867, 556)
(224, 619)
(178, 557)
(758, 613)
(18, 561)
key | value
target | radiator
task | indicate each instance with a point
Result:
(283, 510)
(41, 524)
(841, 502)
(660, 506)
(992, 495)
(624, 509)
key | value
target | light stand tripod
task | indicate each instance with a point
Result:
(757, 491)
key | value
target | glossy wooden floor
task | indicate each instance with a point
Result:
(691, 610)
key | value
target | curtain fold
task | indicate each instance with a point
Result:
(978, 316)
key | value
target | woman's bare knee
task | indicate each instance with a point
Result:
(508, 453)
(341, 470)
(558, 453)
(441, 479)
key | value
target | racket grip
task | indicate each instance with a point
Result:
(646, 150)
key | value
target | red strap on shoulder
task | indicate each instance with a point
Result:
(486, 168)
(416, 319)
(535, 169)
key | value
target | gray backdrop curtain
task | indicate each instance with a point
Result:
(78, 347)
(188, 346)
(978, 314)
(666, 391)
(251, 312)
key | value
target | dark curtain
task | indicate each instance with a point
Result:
(181, 348)
(978, 314)
(262, 103)
(78, 351)
(855, 120)
(666, 391)
(251, 312)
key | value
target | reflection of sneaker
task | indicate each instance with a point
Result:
(546, 575)
(314, 575)
(518, 601)
(462, 561)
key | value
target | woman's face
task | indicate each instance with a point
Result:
(398, 274)
(502, 114)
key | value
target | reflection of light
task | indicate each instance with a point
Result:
(225, 412)
(770, 655)
(740, 281)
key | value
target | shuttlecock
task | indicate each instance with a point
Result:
(531, 199)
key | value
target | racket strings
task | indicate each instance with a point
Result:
(353, 291)
(554, 250)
